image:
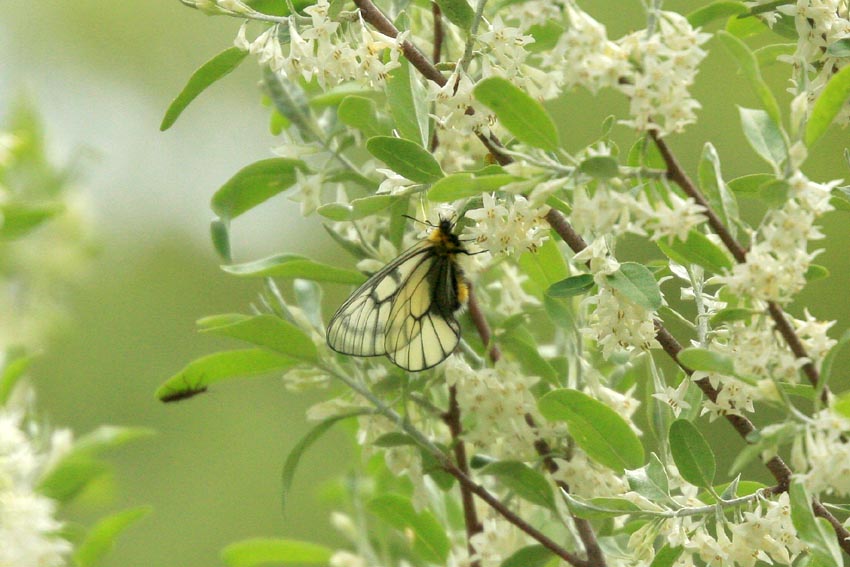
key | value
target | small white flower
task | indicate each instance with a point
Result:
(507, 226)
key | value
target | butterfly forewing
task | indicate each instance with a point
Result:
(404, 311)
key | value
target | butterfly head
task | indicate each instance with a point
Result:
(444, 237)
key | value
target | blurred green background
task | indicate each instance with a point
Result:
(101, 74)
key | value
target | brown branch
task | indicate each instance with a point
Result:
(677, 174)
(595, 556)
(511, 516)
(438, 31)
(480, 322)
(470, 516)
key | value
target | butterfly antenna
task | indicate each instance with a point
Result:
(414, 219)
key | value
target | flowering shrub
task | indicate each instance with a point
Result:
(523, 447)
(45, 244)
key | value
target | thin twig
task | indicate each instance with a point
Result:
(677, 174)
(480, 322)
(438, 32)
(595, 556)
(470, 516)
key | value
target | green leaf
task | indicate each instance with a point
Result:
(764, 136)
(747, 184)
(73, 472)
(572, 286)
(775, 192)
(697, 249)
(721, 200)
(524, 481)
(294, 266)
(523, 116)
(219, 66)
(271, 332)
(529, 556)
(253, 185)
(357, 208)
(816, 272)
(839, 48)
(196, 376)
(220, 236)
(841, 198)
(715, 11)
(707, 361)
(457, 12)
(250, 552)
(545, 266)
(406, 103)
(816, 533)
(600, 167)
(463, 185)
(770, 54)
(750, 68)
(519, 341)
(17, 219)
(637, 284)
(430, 539)
(361, 113)
(101, 537)
(600, 508)
(650, 481)
(645, 153)
(599, 430)
(829, 360)
(406, 158)
(692, 453)
(731, 314)
(294, 457)
(831, 100)
(666, 556)
(15, 363)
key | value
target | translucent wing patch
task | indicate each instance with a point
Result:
(394, 313)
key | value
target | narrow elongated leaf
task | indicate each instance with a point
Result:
(529, 556)
(600, 167)
(764, 136)
(637, 284)
(406, 158)
(200, 373)
(294, 266)
(457, 12)
(599, 430)
(430, 539)
(406, 102)
(269, 332)
(715, 11)
(747, 184)
(462, 185)
(101, 537)
(250, 552)
(362, 113)
(15, 364)
(519, 341)
(831, 100)
(816, 533)
(220, 236)
(599, 508)
(523, 116)
(650, 481)
(219, 66)
(357, 208)
(697, 249)
(707, 361)
(750, 68)
(721, 200)
(524, 481)
(294, 457)
(18, 219)
(692, 453)
(253, 185)
(569, 287)
(666, 556)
